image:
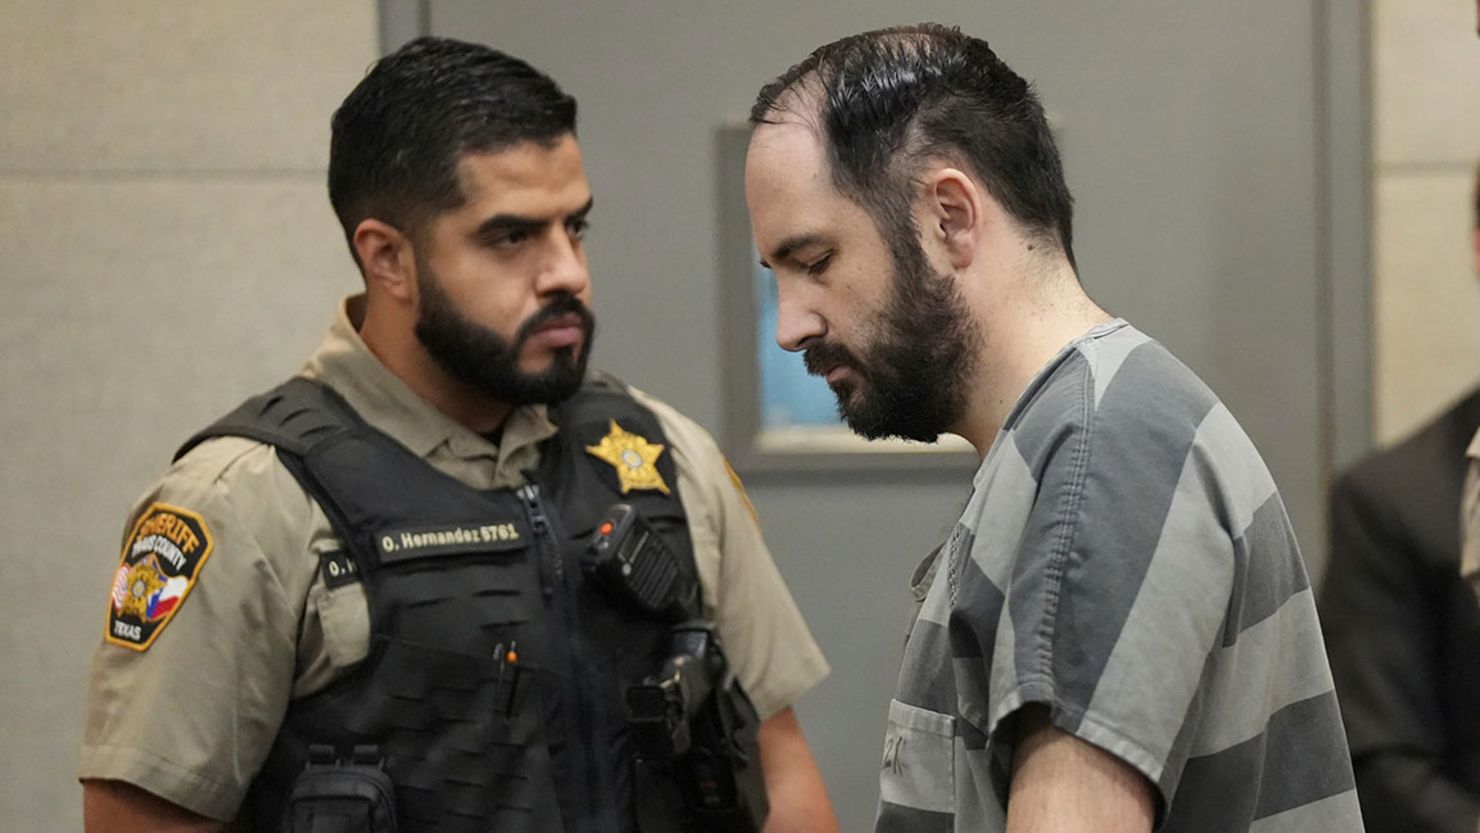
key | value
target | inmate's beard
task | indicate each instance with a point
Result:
(913, 374)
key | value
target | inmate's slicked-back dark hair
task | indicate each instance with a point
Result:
(398, 136)
(888, 99)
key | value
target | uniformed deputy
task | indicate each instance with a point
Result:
(378, 569)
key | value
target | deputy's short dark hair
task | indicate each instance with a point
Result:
(889, 98)
(399, 135)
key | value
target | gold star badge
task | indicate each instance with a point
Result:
(143, 581)
(634, 458)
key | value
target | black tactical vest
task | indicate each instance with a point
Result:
(494, 689)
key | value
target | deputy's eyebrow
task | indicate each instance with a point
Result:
(790, 245)
(507, 222)
(524, 222)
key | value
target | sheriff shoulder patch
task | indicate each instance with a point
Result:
(162, 557)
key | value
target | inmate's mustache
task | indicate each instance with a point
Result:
(820, 358)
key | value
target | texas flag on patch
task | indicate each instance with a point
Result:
(165, 598)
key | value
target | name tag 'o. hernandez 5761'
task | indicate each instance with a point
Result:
(161, 559)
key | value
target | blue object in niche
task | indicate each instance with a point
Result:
(789, 395)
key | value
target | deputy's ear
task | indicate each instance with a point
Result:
(954, 205)
(387, 259)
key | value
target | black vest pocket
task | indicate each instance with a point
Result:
(341, 798)
(462, 736)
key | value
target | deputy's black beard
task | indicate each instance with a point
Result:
(488, 362)
(914, 372)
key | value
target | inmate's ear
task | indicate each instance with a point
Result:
(955, 210)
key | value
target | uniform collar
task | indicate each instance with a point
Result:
(345, 363)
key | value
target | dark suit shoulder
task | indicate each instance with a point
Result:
(1412, 489)
(1433, 453)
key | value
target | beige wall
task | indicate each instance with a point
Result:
(1426, 303)
(161, 199)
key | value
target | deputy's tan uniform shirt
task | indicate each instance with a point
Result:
(192, 717)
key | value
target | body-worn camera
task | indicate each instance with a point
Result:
(629, 559)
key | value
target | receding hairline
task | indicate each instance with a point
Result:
(825, 69)
(802, 102)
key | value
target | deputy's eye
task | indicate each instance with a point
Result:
(577, 228)
(510, 239)
(819, 265)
